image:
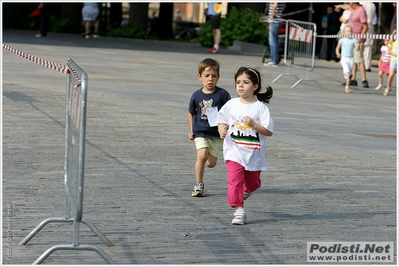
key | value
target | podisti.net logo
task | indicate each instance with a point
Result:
(350, 252)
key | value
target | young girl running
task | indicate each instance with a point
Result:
(244, 123)
(383, 64)
(344, 51)
(392, 49)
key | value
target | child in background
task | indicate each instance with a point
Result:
(383, 64)
(346, 45)
(244, 123)
(202, 114)
(392, 49)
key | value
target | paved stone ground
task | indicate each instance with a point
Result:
(332, 158)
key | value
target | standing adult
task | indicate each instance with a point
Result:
(368, 45)
(275, 14)
(90, 14)
(324, 25)
(333, 25)
(214, 13)
(358, 22)
(44, 19)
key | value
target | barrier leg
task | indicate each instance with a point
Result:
(306, 79)
(71, 247)
(50, 220)
(284, 74)
(97, 232)
(40, 226)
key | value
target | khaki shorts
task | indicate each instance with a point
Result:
(214, 145)
(358, 54)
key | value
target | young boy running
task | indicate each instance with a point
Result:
(202, 119)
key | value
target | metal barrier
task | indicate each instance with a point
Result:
(299, 50)
(75, 131)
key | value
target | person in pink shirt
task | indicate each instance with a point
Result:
(358, 22)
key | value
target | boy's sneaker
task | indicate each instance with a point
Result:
(246, 195)
(96, 35)
(198, 190)
(239, 218)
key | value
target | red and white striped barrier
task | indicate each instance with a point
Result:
(46, 63)
(375, 36)
(74, 73)
(362, 36)
(49, 64)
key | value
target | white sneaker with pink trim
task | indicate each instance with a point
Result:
(239, 218)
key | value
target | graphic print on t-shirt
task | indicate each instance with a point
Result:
(244, 135)
(205, 104)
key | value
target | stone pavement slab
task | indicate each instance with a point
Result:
(332, 159)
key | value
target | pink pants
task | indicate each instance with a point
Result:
(240, 181)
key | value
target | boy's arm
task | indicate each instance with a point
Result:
(190, 124)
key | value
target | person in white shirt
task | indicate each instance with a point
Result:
(244, 123)
(368, 45)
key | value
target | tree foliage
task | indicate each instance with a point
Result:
(241, 25)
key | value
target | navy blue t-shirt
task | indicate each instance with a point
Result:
(198, 105)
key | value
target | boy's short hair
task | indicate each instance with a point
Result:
(208, 62)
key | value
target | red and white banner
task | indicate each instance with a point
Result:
(300, 35)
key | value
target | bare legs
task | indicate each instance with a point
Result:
(203, 158)
(88, 27)
(391, 75)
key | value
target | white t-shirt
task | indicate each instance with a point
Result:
(346, 16)
(386, 57)
(243, 144)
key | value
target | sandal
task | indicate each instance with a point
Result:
(347, 90)
(386, 91)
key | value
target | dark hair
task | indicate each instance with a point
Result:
(208, 62)
(255, 78)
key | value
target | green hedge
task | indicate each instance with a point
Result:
(240, 25)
